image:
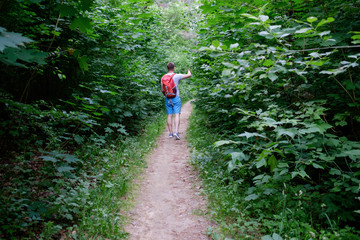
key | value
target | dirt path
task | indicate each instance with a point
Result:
(167, 198)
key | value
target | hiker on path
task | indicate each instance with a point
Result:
(172, 97)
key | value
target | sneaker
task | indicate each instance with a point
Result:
(177, 136)
(171, 135)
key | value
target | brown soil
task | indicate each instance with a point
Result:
(169, 195)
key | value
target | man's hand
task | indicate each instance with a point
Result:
(187, 75)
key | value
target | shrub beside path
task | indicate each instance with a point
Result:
(168, 195)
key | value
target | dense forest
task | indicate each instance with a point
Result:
(275, 135)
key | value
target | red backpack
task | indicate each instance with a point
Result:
(168, 87)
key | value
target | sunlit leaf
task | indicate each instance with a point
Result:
(304, 30)
(272, 76)
(324, 21)
(250, 16)
(263, 18)
(311, 19)
(249, 135)
(216, 43)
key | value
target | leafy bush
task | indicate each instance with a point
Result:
(280, 89)
(81, 83)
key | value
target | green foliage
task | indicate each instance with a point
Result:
(81, 81)
(280, 85)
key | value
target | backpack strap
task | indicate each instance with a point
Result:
(172, 75)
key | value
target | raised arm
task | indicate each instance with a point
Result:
(187, 75)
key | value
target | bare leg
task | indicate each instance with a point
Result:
(177, 122)
(169, 123)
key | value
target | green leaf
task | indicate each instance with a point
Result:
(234, 46)
(311, 19)
(266, 34)
(84, 24)
(315, 165)
(230, 65)
(49, 159)
(217, 54)
(127, 114)
(224, 47)
(316, 63)
(64, 168)
(289, 132)
(324, 21)
(335, 171)
(272, 162)
(251, 197)
(276, 236)
(108, 130)
(314, 55)
(231, 165)
(261, 163)
(313, 128)
(324, 33)
(66, 10)
(250, 16)
(294, 174)
(238, 156)
(68, 216)
(226, 72)
(71, 158)
(223, 142)
(12, 39)
(216, 236)
(272, 76)
(263, 18)
(78, 139)
(268, 63)
(104, 109)
(216, 43)
(303, 174)
(333, 71)
(137, 35)
(249, 135)
(352, 152)
(122, 130)
(86, 4)
(262, 9)
(304, 30)
(11, 55)
(83, 63)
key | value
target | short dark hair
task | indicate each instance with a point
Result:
(170, 66)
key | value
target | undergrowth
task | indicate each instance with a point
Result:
(104, 218)
(284, 214)
(77, 196)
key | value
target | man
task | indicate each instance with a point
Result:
(173, 105)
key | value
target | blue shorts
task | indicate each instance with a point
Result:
(173, 105)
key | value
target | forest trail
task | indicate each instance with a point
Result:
(168, 196)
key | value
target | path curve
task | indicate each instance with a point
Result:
(167, 198)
